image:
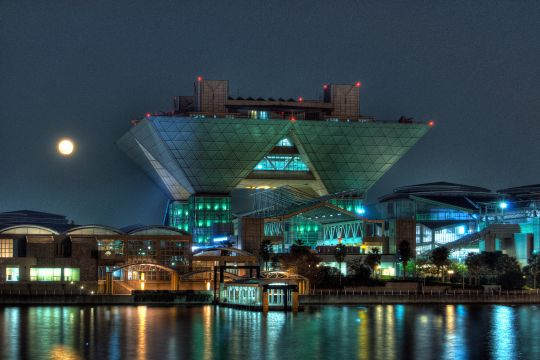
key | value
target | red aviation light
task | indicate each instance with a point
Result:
(358, 84)
(148, 115)
(325, 86)
(293, 119)
(300, 99)
(199, 78)
(431, 123)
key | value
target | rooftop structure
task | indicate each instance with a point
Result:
(211, 144)
(52, 221)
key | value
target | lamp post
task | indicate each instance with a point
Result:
(450, 273)
(503, 205)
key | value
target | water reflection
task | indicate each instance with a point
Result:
(503, 333)
(362, 332)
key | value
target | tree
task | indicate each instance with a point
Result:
(324, 277)
(373, 259)
(512, 280)
(424, 268)
(475, 267)
(264, 252)
(439, 258)
(360, 271)
(495, 267)
(300, 260)
(533, 268)
(339, 255)
(405, 255)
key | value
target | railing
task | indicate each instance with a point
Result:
(363, 292)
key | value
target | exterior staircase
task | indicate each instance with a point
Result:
(499, 230)
(121, 288)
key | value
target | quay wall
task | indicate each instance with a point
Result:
(341, 298)
(170, 298)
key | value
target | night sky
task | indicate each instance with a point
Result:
(84, 69)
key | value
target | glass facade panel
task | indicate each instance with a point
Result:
(276, 297)
(208, 212)
(243, 295)
(45, 274)
(449, 234)
(282, 163)
(429, 214)
(285, 142)
(349, 204)
(141, 248)
(12, 274)
(179, 215)
(304, 230)
(254, 114)
(72, 274)
(6, 248)
(172, 253)
(110, 247)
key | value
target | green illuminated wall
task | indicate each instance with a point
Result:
(179, 215)
(350, 204)
(199, 214)
(309, 232)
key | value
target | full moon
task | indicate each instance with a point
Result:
(65, 147)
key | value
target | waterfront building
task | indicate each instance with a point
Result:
(518, 212)
(433, 214)
(213, 143)
(45, 252)
(463, 218)
(261, 294)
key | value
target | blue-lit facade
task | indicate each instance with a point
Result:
(434, 214)
(464, 219)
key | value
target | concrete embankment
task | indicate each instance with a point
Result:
(324, 298)
(419, 298)
(189, 298)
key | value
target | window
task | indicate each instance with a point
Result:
(285, 142)
(6, 248)
(12, 274)
(254, 114)
(45, 274)
(72, 274)
(282, 163)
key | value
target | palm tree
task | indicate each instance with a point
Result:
(373, 259)
(339, 255)
(405, 254)
(264, 252)
(533, 268)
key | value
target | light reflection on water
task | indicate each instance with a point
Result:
(361, 332)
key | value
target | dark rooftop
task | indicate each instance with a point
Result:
(55, 222)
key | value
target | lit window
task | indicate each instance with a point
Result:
(12, 274)
(45, 274)
(282, 163)
(72, 274)
(284, 142)
(6, 248)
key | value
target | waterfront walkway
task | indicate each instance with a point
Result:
(321, 297)
(315, 297)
